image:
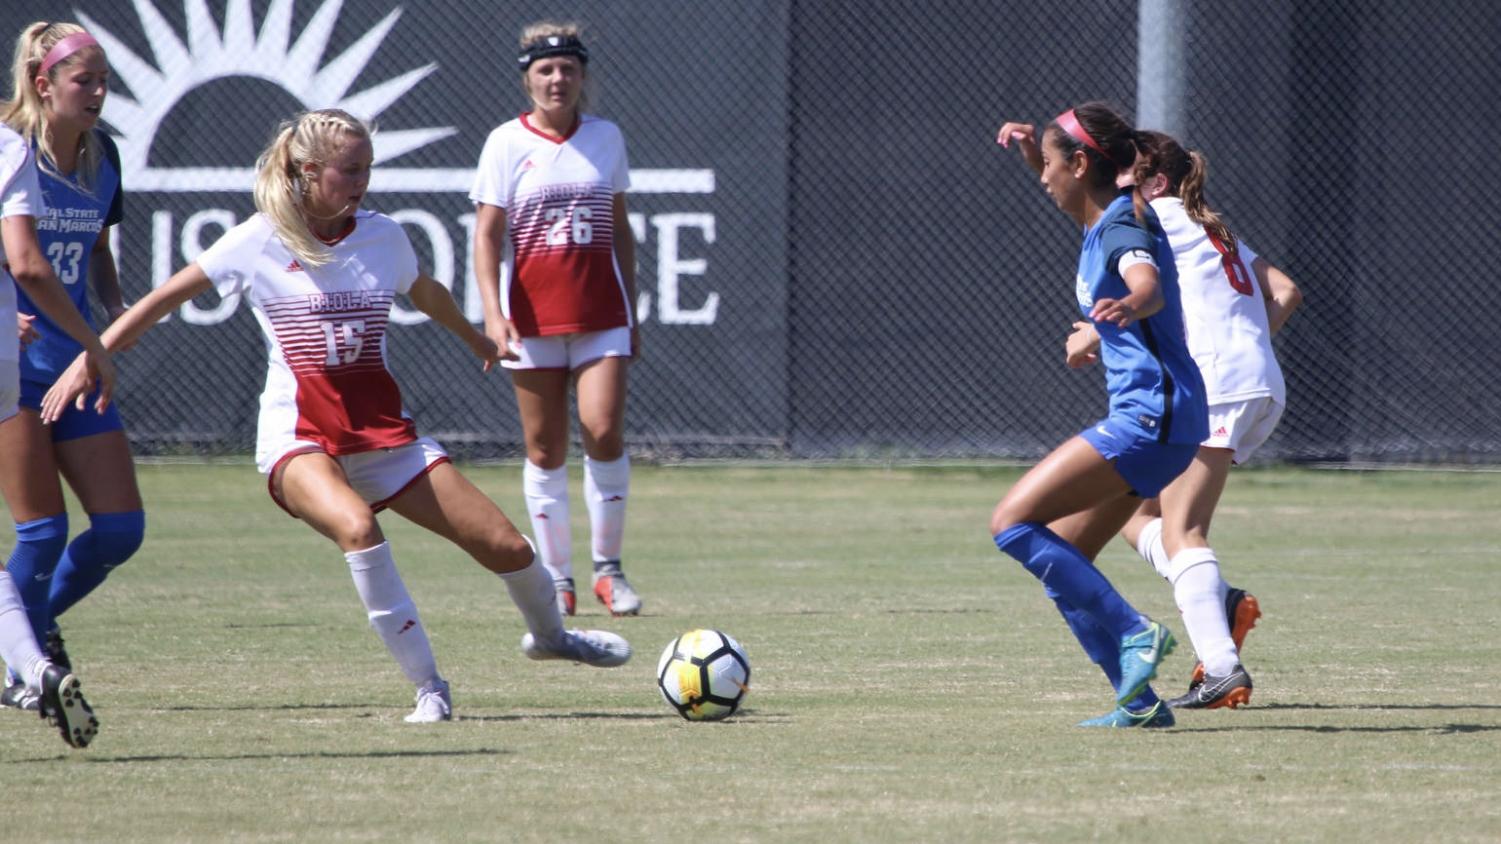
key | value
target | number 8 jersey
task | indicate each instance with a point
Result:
(327, 385)
(559, 275)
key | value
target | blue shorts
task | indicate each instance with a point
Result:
(74, 423)
(1147, 465)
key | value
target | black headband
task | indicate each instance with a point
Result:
(553, 45)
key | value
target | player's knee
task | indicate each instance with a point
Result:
(1002, 519)
(117, 536)
(357, 531)
(508, 551)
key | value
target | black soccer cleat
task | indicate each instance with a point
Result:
(53, 648)
(63, 707)
(1232, 690)
(18, 695)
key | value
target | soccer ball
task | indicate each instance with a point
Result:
(704, 675)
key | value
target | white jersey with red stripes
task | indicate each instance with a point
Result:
(1224, 311)
(327, 384)
(559, 274)
(20, 196)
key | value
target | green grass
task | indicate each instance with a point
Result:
(910, 683)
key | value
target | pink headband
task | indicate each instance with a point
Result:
(1070, 124)
(64, 48)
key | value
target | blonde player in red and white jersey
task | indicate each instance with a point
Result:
(334, 440)
(1233, 302)
(556, 266)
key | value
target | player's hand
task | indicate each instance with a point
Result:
(1115, 311)
(25, 331)
(484, 348)
(72, 386)
(1025, 137)
(1082, 347)
(505, 336)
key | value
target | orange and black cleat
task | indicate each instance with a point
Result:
(1241, 610)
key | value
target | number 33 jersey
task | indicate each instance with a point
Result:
(559, 275)
(327, 385)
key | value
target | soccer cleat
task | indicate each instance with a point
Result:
(567, 598)
(1241, 610)
(612, 590)
(52, 648)
(20, 696)
(63, 707)
(1232, 690)
(1140, 655)
(599, 648)
(1156, 716)
(434, 704)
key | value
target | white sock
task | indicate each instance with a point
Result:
(1200, 594)
(546, 492)
(1149, 546)
(392, 613)
(607, 484)
(18, 645)
(531, 589)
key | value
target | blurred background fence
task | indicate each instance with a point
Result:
(836, 261)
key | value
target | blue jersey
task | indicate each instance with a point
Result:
(1155, 388)
(68, 230)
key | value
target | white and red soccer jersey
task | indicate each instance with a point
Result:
(20, 196)
(559, 275)
(327, 385)
(1224, 311)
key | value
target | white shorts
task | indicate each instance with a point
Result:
(377, 476)
(10, 388)
(571, 351)
(1242, 426)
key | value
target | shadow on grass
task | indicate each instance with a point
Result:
(270, 707)
(751, 717)
(237, 757)
(1439, 730)
(1376, 707)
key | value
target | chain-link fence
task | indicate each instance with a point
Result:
(835, 258)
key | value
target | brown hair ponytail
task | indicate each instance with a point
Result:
(1191, 191)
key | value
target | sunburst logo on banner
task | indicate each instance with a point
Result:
(177, 67)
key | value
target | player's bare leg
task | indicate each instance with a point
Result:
(542, 401)
(446, 503)
(601, 401)
(315, 489)
(34, 495)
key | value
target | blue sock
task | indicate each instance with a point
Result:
(1060, 566)
(109, 542)
(39, 544)
(1101, 647)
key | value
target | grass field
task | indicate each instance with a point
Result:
(910, 683)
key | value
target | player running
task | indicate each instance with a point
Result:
(59, 82)
(556, 265)
(1233, 302)
(59, 698)
(1126, 284)
(334, 440)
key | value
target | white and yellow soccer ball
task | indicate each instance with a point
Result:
(704, 675)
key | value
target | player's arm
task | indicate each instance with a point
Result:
(1025, 136)
(1281, 294)
(190, 281)
(433, 299)
(625, 256)
(489, 249)
(104, 277)
(1139, 273)
(33, 273)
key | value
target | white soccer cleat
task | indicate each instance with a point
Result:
(433, 704)
(615, 592)
(599, 648)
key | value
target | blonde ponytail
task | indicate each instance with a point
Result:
(281, 190)
(26, 113)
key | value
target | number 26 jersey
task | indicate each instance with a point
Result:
(327, 384)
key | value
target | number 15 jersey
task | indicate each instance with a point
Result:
(327, 385)
(559, 275)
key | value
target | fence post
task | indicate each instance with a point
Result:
(1160, 66)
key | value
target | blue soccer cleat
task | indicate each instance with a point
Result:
(1140, 656)
(1156, 716)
